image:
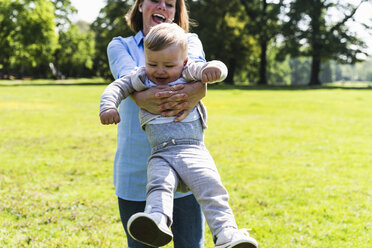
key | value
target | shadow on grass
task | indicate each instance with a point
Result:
(220, 86)
(45, 82)
(217, 86)
(52, 84)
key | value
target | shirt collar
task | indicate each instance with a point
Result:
(139, 37)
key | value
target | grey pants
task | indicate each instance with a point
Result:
(179, 158)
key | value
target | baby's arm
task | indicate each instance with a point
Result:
(207, 72)
(211, 74)
(109, 116)
(118, 91)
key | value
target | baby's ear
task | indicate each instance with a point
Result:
(185, 62)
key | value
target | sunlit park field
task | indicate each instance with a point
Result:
(296, 161)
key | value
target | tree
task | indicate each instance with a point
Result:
(264, 24)
(277, 73)
(109, 24)
(63, 10)
(222, 30)
(28, 36)
(9, 11)
(311, 31)
(76, 51)
(37, 37)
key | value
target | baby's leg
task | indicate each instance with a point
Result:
(197, 169)
(199, 172)
(162, 182)
(152, 226)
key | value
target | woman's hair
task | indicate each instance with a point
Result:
(134, 17)
(164, 35)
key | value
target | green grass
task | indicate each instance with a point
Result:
(297, 164)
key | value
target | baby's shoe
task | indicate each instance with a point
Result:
(235, 238)
(150, 229)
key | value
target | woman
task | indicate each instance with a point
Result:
(133, 148)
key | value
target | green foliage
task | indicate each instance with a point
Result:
(310, 33)
(225, 36)
(28, 37)
(75, 54)
(246, 28)
(278, 73)
(109, 24)
(264, 25)
(63, 11)
(296, 164)
(8, 11)
(37, 35)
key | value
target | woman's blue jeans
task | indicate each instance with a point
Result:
(188, 222)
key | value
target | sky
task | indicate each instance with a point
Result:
(88, 10)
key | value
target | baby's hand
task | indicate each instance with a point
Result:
(211, 74)
(110, 116)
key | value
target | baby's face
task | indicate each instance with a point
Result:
(165, 66)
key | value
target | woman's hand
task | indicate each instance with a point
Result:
(177, 100)
(195, 92)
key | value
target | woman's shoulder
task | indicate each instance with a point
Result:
(121, 40)
(192, 36)
(195, 48)
(126, 40)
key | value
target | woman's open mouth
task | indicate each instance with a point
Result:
(158, 18)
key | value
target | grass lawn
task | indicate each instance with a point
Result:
(297, 164)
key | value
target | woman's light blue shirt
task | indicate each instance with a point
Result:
(133, 148)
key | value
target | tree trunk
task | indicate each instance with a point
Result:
(230, 76)
(315, 70)
(316, 42)
(263, 45)
(263, 62)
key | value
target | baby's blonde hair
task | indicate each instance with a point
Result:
(164, 35)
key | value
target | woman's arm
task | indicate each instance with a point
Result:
(123, 60)
(195, 91)
(168, 101)
(179, 99)
(120, 60)
(195, 50)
